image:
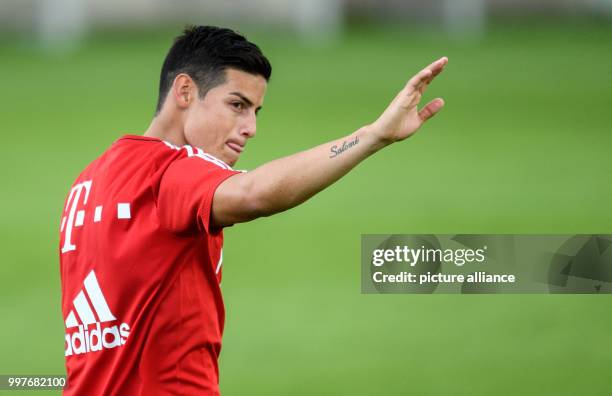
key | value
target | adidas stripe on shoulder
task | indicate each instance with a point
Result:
(198, 152)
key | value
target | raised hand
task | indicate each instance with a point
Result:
(402, 117)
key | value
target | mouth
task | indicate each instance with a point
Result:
(235, 146)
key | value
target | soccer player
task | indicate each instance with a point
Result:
(142, 229)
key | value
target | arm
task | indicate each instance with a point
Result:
(287, 182)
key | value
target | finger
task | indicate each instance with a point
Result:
(424, 77)
(436, 68)
(431, 109)
(415, 83)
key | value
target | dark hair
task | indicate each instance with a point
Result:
(203, 53)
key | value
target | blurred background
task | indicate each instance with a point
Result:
(522, 146)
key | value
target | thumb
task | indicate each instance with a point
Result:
(431, 109)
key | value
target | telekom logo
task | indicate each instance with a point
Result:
(72, 202)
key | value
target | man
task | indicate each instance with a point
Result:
(141, 233)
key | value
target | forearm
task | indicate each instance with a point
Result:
(287, 182)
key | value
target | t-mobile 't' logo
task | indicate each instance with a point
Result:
(74, 218)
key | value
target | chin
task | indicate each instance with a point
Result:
(229, 158)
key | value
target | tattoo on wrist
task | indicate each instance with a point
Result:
(336, 151)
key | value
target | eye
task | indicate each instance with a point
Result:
(238, 105)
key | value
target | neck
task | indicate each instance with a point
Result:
(168, 128)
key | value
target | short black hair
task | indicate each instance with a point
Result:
(203, 53)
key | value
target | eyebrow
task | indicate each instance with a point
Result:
(246, 100)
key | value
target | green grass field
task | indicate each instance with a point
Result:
(523, 146)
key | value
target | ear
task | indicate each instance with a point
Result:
(183, 90)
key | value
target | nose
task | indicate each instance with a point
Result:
(249, 128)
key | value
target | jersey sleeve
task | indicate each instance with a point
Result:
(186, 193)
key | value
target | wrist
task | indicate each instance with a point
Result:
(376, 141)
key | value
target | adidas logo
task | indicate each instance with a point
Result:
(86, 339)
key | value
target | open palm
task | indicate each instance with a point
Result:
(402, 117)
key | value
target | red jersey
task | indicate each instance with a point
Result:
(140, 272)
